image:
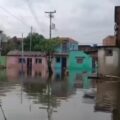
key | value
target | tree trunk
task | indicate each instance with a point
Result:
(49, 67)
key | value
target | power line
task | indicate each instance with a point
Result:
(33, 12)
(17, 18)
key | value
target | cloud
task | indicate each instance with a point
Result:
(86, 21)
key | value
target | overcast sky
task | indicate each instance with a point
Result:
(87, 21)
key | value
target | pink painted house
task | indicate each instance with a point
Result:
(34, 61)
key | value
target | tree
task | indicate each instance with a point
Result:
(35, 40)
(47, 45)
(11, 44)
(40, 43)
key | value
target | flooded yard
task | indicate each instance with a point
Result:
(73, 97)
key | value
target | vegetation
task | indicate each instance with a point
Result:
(40, 43)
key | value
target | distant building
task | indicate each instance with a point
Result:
(110, 41)
(109, 57)
(67, 44)
(85, 48)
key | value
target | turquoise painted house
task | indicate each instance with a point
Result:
(62, 52)
(79, 60)
(67, 56)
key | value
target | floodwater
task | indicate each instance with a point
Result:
(72, 97)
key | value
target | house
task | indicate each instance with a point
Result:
(109, 60)
(62, 52)
(34, 63)
(68, 56)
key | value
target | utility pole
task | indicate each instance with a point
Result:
(22, 55)
(31, 39)
(50, 13)
(0, 42)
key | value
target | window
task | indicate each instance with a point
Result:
(73, 47)
(38, 60)
(21, 60)
(64, 47)
(108, 52)
(58, 60)
(79, 60)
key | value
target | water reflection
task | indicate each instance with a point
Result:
(108, 97)
(36, 96)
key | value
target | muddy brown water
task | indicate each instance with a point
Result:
(72, 97)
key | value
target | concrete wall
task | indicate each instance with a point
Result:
(109, 64)
(106, 96)
(13, 62)
(14, 67)
(57, 65)
(72, 61)
(109, 41)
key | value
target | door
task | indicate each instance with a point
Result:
(29, 66)
(64, 63)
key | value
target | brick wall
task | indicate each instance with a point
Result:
(109, 41)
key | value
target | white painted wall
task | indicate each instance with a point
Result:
(109, 64)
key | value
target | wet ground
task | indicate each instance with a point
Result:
(71, 97)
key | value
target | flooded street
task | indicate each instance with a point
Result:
(56, 64)
(35, 98)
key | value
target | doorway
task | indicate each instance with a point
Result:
(29, 66)
(64, 63)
